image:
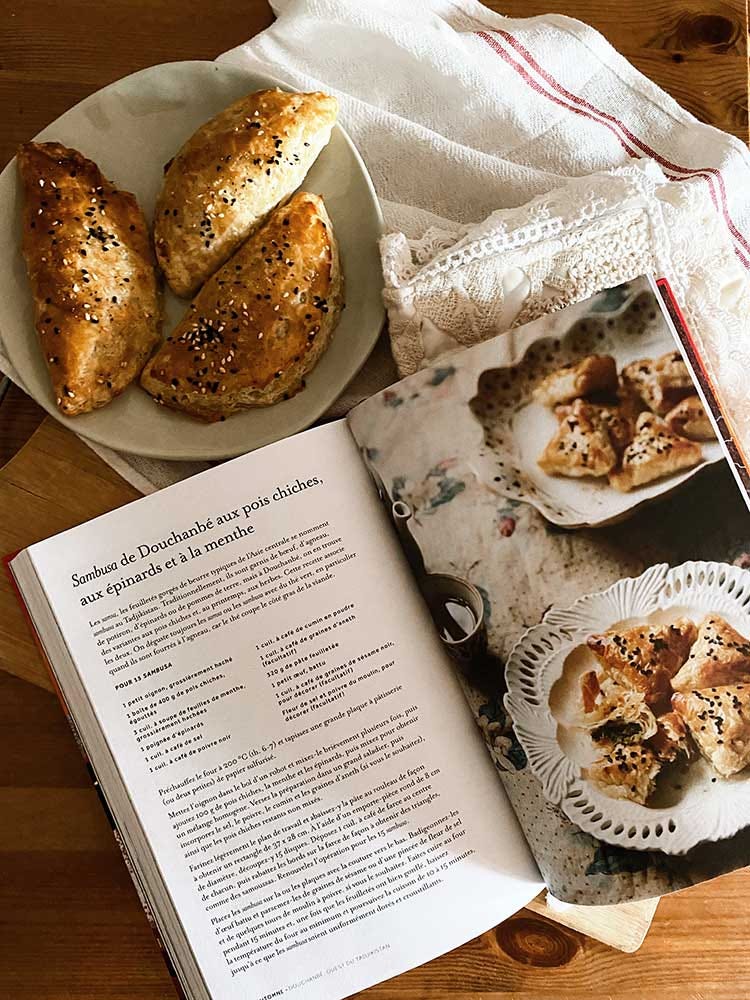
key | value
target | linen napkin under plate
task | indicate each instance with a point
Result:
(482, 134)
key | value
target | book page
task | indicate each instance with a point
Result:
(568, 474)
(278, 703)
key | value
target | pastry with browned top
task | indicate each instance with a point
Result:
(645, 657)
(91, 268)
(661, 383)
(625, 771)
(654, 452)
(690, 420)
(260, 324)
(719, 720)
(581, 446)
(595, 373)
(721, 655)
(230, 174)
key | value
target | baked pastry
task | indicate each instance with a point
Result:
(260, 324)
(230, 174)
(660, 383)
(617, 421)
(595, 373)
(581, 445)
(645, 657)
(721, 655)
(671, 742)
(653, 453)
(719, 720)
(690, 420)
(625, 771)
(613, 713)
(91, 270)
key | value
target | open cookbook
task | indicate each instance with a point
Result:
(356, 697)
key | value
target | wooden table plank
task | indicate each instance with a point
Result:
(70, 924)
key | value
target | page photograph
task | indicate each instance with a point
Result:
(583, 547)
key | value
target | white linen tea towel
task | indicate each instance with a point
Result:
(463, 117)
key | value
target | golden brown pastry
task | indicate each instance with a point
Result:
(625, 771)
(595, 373)
(581, 446)
(671, 742)
(660, 383)
(645, 657)
(617, 421)
(653, 453)
(230, 174)
(91, 269)
(613, 713)
(259, 325)
(690, 420)
(721, 655)
(719, 720)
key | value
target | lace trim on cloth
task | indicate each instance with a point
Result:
(456, 286)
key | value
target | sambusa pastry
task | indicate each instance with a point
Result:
(645, 657)
(581, 445)
(595, 373)
(230, 174)
(690, 420)
(613, 713)
(721, 655)
(719, 721)
(672, 742)
(625, 771)
(654, 452)
(660, 383)
(617, 421)
(91, 270)
(260, 324)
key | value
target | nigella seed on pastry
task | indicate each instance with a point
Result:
(228, 176)
(233, 358)
(77, 338)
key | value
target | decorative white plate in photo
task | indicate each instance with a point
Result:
(131, 129)
(690, 805)
(624, 322)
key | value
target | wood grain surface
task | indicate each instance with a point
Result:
(71, 927)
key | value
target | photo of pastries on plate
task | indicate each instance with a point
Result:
(260, 262)
(632, 427)
(663, 696)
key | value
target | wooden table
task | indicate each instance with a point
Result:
(70, 924)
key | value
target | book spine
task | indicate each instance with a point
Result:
(140, 891)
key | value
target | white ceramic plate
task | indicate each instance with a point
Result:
(131, 129)
(625, 322)
(543, 675)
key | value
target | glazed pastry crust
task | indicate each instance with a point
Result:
(653, 453)
(260, 324)
(660, 383)
(719, 720)
(617, 421)
(230, 174)
(625, 771)
(671, 742)
(91, 269)
(595, 373)
(689, 420)
(581, 446)
(645, 657)
(721, 655)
